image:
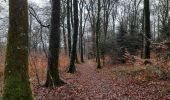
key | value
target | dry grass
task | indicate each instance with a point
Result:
(124, 71)
(38, 66)
(142, 74)
(1, 71)
(1, 64)
(63, 62)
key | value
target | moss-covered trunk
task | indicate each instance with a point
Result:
(16, 79)
(53, 78)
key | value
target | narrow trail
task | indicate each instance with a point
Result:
(97, 85)
(87, 84)
(90, 83)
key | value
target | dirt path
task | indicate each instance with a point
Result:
(96, 85)
(92, 84)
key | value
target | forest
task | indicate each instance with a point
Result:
(84, 49)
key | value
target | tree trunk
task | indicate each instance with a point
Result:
(81, 32)
(97, 36)
(64, 40)
(77, 60)
(158, 27)
(68, 27)
(16, 78)
(147, 30)
(105, 25)
(64, 33)
(53, 78)
(143, 33)
(72, 68)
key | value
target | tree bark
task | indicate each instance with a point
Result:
(72, 68)
(97, 36)
(53, 78)
(16, 78)
(63, 23)
(147, 30)
(64, 40)
(69, 27)
(81, 31)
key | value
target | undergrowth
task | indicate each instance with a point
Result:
(147, 73)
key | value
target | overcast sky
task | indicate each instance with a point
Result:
(4, 12)
(39, 2)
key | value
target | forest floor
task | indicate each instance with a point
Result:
(112, 82)
(108, 83)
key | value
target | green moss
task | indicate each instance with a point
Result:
(17, 87)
